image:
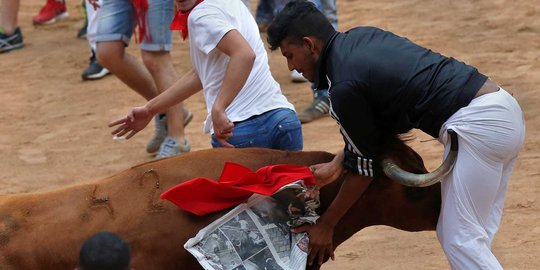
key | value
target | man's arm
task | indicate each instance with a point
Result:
(355, 117)
(326, 173)
(182, 89)
(321, 234)
(240, 64)
(139, 117)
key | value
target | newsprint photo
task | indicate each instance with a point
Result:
(257, 234)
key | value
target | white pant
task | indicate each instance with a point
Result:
(91, 29)
(491, 130)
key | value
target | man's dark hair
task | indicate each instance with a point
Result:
(297, 20)
(104, 251)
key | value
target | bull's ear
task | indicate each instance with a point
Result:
(397, 174)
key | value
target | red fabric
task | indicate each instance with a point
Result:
(180, 21)
(235, 185)
(140, 8)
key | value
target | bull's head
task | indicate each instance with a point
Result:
(395, 173)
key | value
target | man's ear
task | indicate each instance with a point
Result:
(312, 44)
(308, 43)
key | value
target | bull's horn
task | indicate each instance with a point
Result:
(395, 173)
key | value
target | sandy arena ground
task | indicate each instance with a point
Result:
(54, 133)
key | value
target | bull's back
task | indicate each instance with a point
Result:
(46, 230)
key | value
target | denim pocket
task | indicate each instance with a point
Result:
(290, 136)
(249, 136)
(289, 125)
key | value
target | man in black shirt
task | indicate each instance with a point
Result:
(382, 84)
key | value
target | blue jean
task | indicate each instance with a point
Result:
(115, 21)
(277, 129)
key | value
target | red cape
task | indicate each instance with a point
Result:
(235, 185)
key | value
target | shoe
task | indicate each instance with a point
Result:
(51, 12)
(318, 109)
(297, 77)
(94, 71)
(82, 32)
(160, 133)
(11, 42)
(170, 147)
(161, 130)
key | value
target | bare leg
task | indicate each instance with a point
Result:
(112, 55)
(9, 16)
(161, 68)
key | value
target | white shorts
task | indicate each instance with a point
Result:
(491, 131)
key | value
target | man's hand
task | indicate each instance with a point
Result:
(94, 3)
(326, 173)
(223, 127)
(134, 122)
(320, 241)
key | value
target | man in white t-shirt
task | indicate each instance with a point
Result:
(245, 105)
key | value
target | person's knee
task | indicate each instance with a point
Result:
(108, 53)
(456, 246)
(155, 62)
(470, 253)
(450, 246)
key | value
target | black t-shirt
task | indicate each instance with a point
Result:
(380, 83)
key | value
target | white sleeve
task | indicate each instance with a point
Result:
(207, 26)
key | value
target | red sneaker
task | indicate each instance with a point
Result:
(52, 11)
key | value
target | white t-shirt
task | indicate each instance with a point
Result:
(208, 22)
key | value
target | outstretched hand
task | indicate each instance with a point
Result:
(321, 245)
(134, 122)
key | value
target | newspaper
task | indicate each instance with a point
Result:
(257, 234)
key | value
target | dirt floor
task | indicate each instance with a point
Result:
(53, 126)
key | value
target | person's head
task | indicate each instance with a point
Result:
(104, 251)
(300, 30)
(185, 5)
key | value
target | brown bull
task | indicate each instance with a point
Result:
(46, 230)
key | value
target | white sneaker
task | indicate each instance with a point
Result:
(160, 131)
(170, 147)
(297, 77)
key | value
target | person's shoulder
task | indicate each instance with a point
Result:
(212, 5)
(205, 12)
(205, 7)
(363, 30)
(367, 35)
